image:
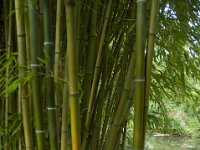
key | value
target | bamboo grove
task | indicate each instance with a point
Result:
(72, 71)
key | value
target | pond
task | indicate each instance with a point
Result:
(171, 142)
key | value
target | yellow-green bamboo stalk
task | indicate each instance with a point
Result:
(35, 48)
(57, 63)
(65, 112)
(150, 48)
(139, 76)
(77, 28)
(73, 74)
(24, 101)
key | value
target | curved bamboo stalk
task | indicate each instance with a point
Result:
(24, 101)
(139, 75)
(36, 88)
(73, 74)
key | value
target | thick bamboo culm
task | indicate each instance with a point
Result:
(49, 55)
(36, 88)
(73, 74)
(139, 76)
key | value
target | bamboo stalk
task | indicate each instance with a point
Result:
(139, 76)
(89, 60)
(57, 63)
(124, 135)
(65, 112)
(150, 48)
(36, 88)
(24, 101)
(73, 74)
(9, 46)
(49, 57)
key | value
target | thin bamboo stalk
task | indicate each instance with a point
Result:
(89, 60)
(23, 93)
(65, 112)
(9, 47)
(77, 29)
(57, 62)
(139, 76)
(124, 136)
(59, 18)
(150, 48)
(73, 74)
(28, 59)
(36, 88)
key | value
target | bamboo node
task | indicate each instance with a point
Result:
(64, 130)
(74, 94)
(48, 43)
(139, 80)
(51, 108)
(34, 65)
(138, 1)
(39, 131)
